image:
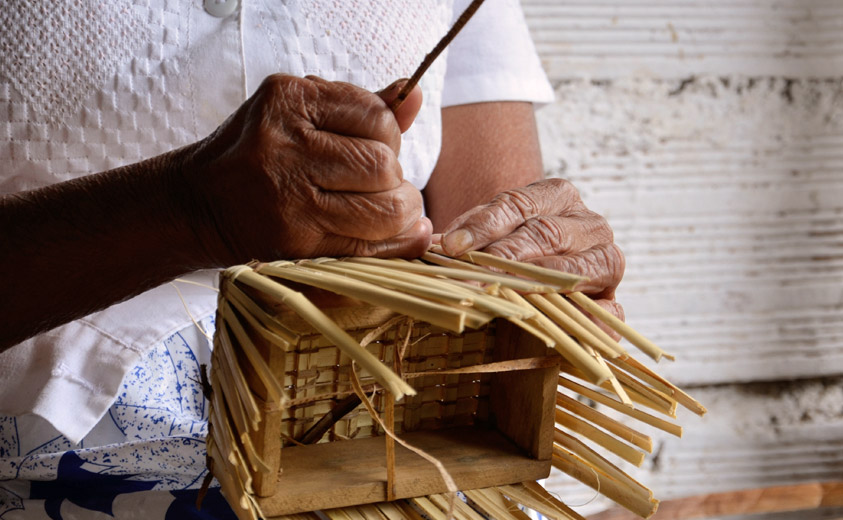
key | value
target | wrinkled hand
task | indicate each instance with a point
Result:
(305, 168)
(545, 223)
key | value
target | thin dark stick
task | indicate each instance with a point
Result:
(340, 410)
(432, 55)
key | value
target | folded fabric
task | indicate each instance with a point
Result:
(72, 374)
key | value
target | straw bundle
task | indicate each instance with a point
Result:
(422, 352)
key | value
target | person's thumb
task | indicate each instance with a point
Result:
(406, 113)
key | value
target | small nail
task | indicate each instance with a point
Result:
(457, 242)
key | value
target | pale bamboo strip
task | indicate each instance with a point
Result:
(231, 366)
(462, 511)
(389, 413)
(339, 513)
(410, 285)
(581, 470)
(275, 394)
(221, 384)
(567, 347)
(568, 308)
(601, 464)
(491, 508)
(570, 326)
(656, 422)
(502, 503)
(475, 296)
(390, 511)
(408, 511)
(475, 319)
(240, 432)
(635, 367)
(435, 255)
(496, 366)
(357, 513)
(492, 289)
(444, 316)
(535, 332)
(242, 471)
(354, 513)
(512, 282)
(642, 388)
(545, 504)
(538, 491)
(370, 512)
(429, 509)
(467, 290)
(307, 310)
(607, 423)
(666, 407)
(644, 375)
(219, 421)
(259, 326)
(225, 436)
(231, 488)
(614, 445)
(633, 336)
(617, 387)
(256, 462)
(565, 281)
(237, 295)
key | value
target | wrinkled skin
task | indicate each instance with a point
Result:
(545, 223)
(307, 168)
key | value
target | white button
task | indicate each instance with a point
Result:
(221, 8)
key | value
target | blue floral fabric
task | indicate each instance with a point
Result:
(145, 459)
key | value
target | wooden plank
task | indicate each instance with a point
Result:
(522, 402)
(339, 474)
(775, 499)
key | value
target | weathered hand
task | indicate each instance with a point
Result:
(304, 168)
(545, 223)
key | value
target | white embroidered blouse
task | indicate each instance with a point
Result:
(88, 86)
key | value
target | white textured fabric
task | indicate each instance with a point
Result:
(49, 65)
(126, 80)
(509, 68)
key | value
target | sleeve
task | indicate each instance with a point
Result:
(494, 59)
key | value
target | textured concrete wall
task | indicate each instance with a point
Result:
(711, 136)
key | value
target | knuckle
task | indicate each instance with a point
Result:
(618, 310)
(548, 234)
(565, 189)
(617, 260)
(405, 204)
(598, 226)
(385, 168)
(518, 202)
(506, 250)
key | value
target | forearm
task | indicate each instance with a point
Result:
(487, 148)
(79, 246)
(304, 168)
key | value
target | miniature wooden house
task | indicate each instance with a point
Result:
(476, 374)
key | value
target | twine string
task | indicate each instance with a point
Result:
(446, 477)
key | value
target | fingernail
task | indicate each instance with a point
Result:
(393, 88)
(457, 242)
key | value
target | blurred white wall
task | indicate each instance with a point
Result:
(710, 134)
